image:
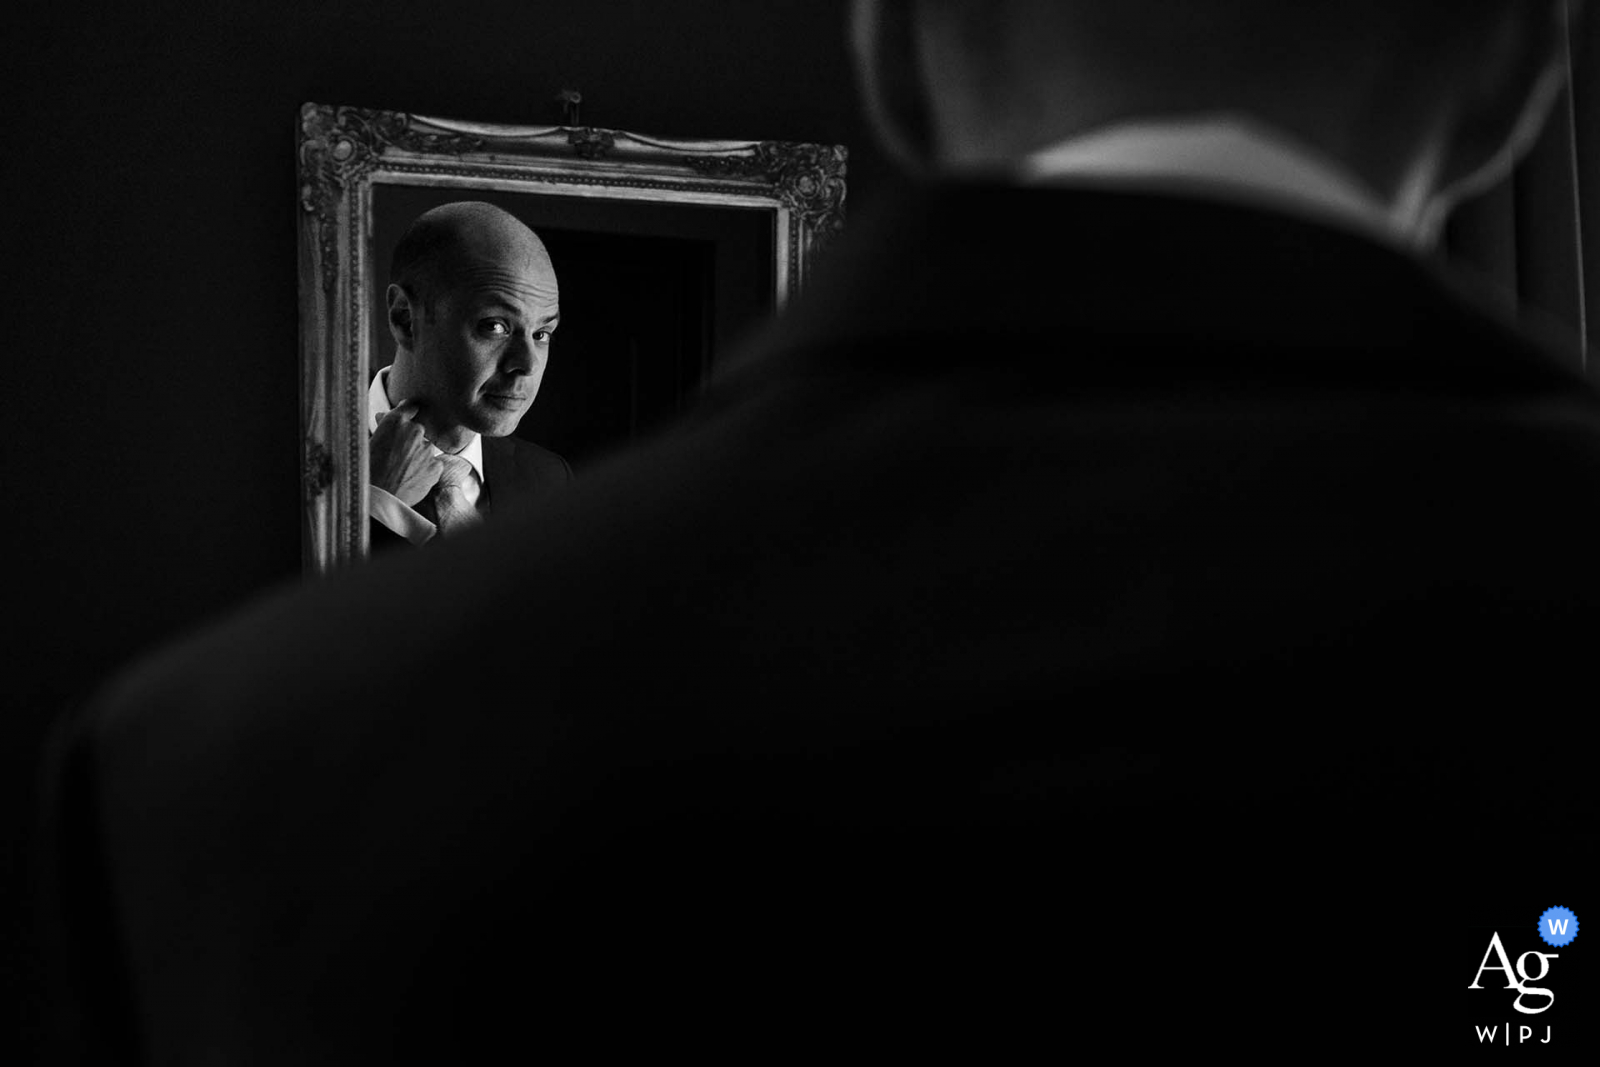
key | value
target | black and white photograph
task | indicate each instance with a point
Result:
(803, 530)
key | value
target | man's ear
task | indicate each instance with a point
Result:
(402, 324)
(1523, 65)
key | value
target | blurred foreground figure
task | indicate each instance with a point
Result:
(1132, 601)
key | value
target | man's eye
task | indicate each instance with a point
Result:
(542, 336)
(496, 327)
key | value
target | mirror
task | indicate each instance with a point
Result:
(666, 252)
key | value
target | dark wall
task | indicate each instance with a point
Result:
(151, 445)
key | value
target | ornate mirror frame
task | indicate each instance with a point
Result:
(345, 151)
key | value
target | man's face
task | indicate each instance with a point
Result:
(481, 353)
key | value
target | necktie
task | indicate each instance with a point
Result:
(446, 503)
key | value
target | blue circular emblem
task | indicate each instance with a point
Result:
(1558, 926)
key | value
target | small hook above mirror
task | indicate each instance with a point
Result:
(569, 99)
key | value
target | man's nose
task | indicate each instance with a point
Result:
(521, 355)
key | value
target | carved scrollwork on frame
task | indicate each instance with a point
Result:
(591, 143)
(809, 177)
(344, 151)
(316, 472)
(338, 145)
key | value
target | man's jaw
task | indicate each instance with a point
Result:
(499, 419)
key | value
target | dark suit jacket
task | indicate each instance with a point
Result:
(517, 474)
(1086, 617)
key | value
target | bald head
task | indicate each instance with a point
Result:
(1402, 92)
(441, 243)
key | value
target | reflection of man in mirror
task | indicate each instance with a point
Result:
(473, 303)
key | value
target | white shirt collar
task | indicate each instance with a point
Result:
(378, 406)
(1220, 156)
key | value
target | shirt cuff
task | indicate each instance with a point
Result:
(389, 510)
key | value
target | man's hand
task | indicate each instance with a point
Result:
(402, 462)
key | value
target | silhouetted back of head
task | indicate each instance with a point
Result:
(1426, 99)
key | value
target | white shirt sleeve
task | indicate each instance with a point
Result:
(389, 510)
(383, 505)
